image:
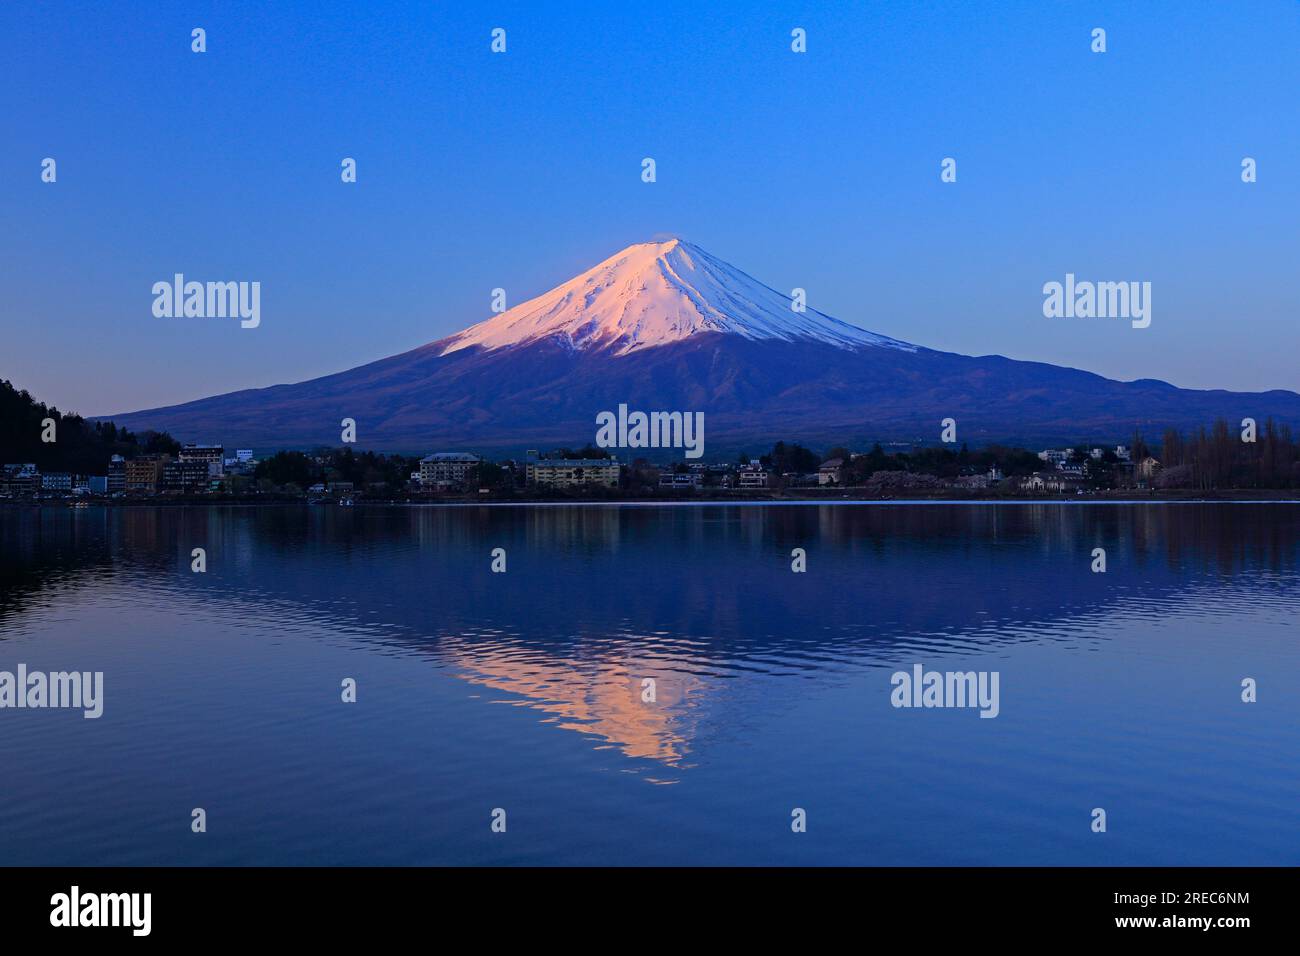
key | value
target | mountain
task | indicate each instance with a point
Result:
(660, 293)
(665, 326)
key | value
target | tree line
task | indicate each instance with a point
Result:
(81, 447)
(1219, 457)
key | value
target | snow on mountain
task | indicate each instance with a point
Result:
(656, 293)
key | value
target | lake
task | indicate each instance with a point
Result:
(773, 697)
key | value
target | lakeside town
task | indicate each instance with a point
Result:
(343, 476)
(48, 455)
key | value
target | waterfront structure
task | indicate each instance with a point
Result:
(182, 475)
(19, 480)
(144, 475)
(570, 472)
(116, 477)
(446, 468)
(213, 456)
(831, 472)
(1054, 481)
(59, 481)
(669, 479)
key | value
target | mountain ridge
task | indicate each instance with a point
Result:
(667, 326)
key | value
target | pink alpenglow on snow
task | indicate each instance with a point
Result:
(656, 293)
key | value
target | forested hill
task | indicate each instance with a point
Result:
(80, 447)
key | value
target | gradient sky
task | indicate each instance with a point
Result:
(519, 170)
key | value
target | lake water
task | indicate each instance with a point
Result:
(523, 690)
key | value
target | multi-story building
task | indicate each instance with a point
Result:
(446, 468)
(116, 477)
(570, 472)
(181, 475)
(144, 474)
(20, 480)
(753, 475)
(242, 464)
(211, 455)
(59, 481)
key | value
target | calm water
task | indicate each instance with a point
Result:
(522, 690)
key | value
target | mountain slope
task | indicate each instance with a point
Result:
(666, 326)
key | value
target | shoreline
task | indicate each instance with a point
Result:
(1239, 496)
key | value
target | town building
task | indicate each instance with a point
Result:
(668, 479)
(181, 475)
(332, 488)
(20, 480)
(242, 464)
(831, 472)
(144, 474)
(1050, 481)
(570, 472)
(211, 455)
(56, 481)
(116, 474)
(753, 475)
(446, 469)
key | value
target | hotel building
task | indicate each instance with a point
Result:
(570, 472)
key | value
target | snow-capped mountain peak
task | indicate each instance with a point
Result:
(655, 293)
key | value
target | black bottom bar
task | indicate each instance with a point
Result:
(335, 905)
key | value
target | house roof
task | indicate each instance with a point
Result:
(451, 456)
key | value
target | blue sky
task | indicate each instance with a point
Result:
(519, 170)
